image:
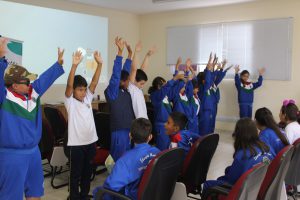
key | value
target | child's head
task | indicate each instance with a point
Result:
(195, 86)
(201, 78)
(264, 119)
(140, 78)
(157, 83)
(79, 87)
(245, 76)
(124, 82)
(18, 79)
(140, 131)
(289, 112)
(177, 121)
(246, 137)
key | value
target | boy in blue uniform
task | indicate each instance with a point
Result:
(120, 103)
(128, 170)
(82, 133)
(269, 130)
(21, 127)
(159, 92)
(176, 129)
(207, 107)
(246, 90)
(249, 151)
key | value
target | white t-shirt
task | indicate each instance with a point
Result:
(292, 131)
(138, 101)
(81, 124)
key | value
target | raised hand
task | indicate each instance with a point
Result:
(138, 46)
(228, 68)
(237, 69)
(98, 58)
(210, 64)
(188, 63)
(3, 46)
(261, 71)
(178, 77)
(219, 66)
(76, 58)
(60, 55)
(120, 44)
(151, 51)
(223, 63)
(128, 47)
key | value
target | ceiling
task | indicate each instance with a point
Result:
(146, 6)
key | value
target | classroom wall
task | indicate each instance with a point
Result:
(120, 23)
(153, 31)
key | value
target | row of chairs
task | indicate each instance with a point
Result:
(169, 167)
(170, 176)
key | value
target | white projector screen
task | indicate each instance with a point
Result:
(43, 30)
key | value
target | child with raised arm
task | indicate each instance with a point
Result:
(21, 127)
(246, 90)
(159, 92)
(82, 133)
(138, 78)
(120, 103)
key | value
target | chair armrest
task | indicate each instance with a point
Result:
(103, 191)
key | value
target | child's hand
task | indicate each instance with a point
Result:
(98, 58)
(77, 58)
(3, 46)
(188, 63)
(60, 56)
(210, 64)
(228, 68)
(120, 44)
(138, 46)
(178, 77)
(128, 47)
(237, 69)
(219, 66)
(261, 71)
(223, 63)
(151, 51)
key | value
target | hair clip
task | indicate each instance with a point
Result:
(288, 101)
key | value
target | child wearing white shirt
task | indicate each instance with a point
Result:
(290, 115)
(82, 133)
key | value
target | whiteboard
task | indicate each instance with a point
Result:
(251, 44)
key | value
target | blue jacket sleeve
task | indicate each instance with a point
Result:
(237, 81)
(119, 177)
(174, 94)
(258, 83)
(47, 78)
(234, 172)
(189, 90)
(127, 65)
(112, 89)
(176, 72)
(220, 76)
(3, 65)
(208, 81)
(164, 91)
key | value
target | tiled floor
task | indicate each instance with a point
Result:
(221, 159)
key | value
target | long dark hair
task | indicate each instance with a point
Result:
(157, 83)
(264, 117)
(291, 112)
(246, 137)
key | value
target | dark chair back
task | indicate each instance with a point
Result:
(271, 187)
(102, 122)
(57, 122)
(197, 162)
(159, 179)
(293, 174)
(47, 141)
